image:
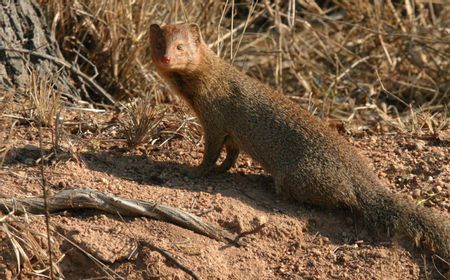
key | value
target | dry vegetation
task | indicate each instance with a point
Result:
(384, 65)
(140, 121)
(6, 126)
(43, 101)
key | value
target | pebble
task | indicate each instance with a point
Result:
(103, 180)
(344, 258)
(259, 221)
(316, 252)
(416, 193)
(238, 224)
(437, 189)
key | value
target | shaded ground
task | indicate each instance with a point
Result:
(298, 242)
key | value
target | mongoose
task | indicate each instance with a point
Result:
(309, 161)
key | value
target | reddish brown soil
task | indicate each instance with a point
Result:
(298, 242)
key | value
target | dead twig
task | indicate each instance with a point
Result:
(91, 199)
(169, 256)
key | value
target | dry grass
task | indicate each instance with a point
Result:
(6, 125)
(140, 121)
(44, 102)
(351, 60)
(27, 247)
(108, 39)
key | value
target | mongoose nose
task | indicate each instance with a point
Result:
(165, 59)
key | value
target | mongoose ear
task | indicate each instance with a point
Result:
(195, 31)
(154, 29)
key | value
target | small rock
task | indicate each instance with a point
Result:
(259, 221)
(416, 193)
(194, 155)
(238, 224)
(310, 262)
(437, 189)
(344, 258)
(104, 180)
(316, 252)
(430, 179)
(379, 254)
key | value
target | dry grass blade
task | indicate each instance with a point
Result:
(28, 250)
(140, 121)
(44, 102)
(5, 140)
(6, 126)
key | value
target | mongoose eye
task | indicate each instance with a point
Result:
(180, 47)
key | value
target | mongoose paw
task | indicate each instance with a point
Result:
(278, 190)
(218, 170)
(194, 172)
(282, 193)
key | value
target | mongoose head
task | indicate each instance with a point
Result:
(176, 47)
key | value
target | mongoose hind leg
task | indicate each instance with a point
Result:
(284, 186)
(308, 189)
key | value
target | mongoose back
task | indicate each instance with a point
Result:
(309, 161)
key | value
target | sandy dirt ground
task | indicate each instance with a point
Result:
(297, 242)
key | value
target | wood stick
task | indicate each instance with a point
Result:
(92, 199)
(169, 256)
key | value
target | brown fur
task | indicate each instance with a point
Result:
(309, 161)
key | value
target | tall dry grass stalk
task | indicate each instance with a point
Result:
(6, 125)
(44, 102)
(343, 55)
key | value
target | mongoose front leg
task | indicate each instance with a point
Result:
(213, 146)
(232, 155)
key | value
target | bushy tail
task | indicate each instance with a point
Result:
(424, 226)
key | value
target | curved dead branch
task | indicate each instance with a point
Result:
(92, 199)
